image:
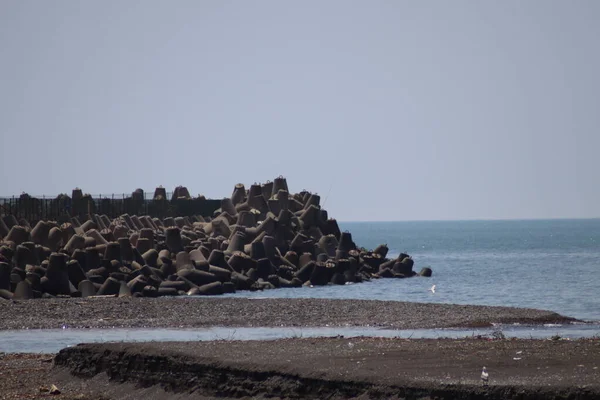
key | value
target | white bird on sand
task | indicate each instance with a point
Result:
(432, 289)
(484, 376)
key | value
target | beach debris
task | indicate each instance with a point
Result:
(484, 376)
(516, 358)
(54, 390)
(432, 289)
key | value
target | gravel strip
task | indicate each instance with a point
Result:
(235, 312)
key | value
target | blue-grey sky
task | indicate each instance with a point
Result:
(391, 110)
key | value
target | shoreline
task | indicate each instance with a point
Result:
(272, 312)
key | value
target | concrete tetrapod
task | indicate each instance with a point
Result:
(263, 238)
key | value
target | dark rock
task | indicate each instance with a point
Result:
(386, 273)
(56, 281)
(211, 289)
(97, 279)
(24, 256)
(183, 261)
(75, 272)
(403, 267)
(111, 287)
(306, 271)
(228, 287)
(222, 274)
(173, 239)
(17, 234)
(150, 291)
(126, 249)
(5, 275)
(242, 282)
(199, 278)
(322, 273)
(86, 288)
(124, 290)
(39, 233)
(137, 284)
(338, 279)
(23, 291)
(167, 291)
(113, 252)
(177, 285)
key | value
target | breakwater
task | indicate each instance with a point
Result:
(260, 238)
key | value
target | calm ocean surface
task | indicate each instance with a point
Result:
(547, 264)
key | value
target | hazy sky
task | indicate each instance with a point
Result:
(391, 110)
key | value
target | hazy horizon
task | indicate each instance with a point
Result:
(391, 111)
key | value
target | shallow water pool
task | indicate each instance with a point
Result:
(53, 340)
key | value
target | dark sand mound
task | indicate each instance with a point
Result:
(342, 368)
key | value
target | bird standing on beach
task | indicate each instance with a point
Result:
(432, 289)
(484, 376)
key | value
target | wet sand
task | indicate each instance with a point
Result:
(239, 312)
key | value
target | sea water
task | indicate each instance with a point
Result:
(545, 264)
(53, 340)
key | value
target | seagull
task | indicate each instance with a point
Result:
(432, 289)
(484, 376)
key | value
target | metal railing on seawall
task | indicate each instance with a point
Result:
(60, 208)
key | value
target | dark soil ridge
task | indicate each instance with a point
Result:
(253, 369)
(243, 312)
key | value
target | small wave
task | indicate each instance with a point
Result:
(552, 325)
(586, 322)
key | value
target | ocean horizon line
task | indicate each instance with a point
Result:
(474, 220)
